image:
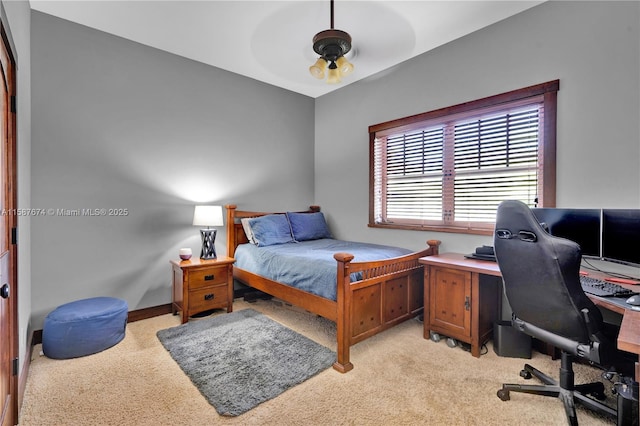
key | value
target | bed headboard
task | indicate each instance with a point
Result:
(235, 231)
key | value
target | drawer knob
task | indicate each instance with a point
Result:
(208, 296)
(209, 277)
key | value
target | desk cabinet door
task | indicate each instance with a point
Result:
(450, 302)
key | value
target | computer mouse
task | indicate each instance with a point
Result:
(634, 300)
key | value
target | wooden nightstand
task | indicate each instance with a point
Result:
(200, 285)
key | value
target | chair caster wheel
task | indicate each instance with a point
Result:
(525, 374)
(503, 394)
(434, 336)
(452, 343)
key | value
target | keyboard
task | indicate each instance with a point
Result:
(603, 288)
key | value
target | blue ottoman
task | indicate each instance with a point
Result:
(84, 327)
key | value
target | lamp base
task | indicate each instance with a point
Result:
(208, 244)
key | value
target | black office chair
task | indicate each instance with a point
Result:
(542, 285)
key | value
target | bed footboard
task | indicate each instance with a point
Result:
(390, 292)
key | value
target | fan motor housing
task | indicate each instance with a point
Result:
(331, 44)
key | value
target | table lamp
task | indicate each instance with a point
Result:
(208, 216)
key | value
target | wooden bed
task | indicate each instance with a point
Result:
(390, 292)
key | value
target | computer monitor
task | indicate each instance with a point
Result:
(579, 225)
(621, 236)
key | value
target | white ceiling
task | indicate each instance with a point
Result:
(270, 41)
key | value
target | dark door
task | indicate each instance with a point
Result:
(8, 218)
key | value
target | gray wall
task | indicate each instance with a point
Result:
(123, 126)
(16, 17)
(593, 48)
(120, 125)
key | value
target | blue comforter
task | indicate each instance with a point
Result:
(308, 265)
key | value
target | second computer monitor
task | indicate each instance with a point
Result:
(621, 236)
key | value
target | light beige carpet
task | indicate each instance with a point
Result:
(399, 379)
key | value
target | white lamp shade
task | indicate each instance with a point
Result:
(207, 216)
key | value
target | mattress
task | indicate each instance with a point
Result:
(309, 265)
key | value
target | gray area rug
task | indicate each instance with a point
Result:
(244, 358)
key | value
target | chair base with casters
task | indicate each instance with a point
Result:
(588, 394)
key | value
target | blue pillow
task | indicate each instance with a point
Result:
(271, 229)
(308, 226)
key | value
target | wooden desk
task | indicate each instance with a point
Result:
(456, 303)
(628, 337)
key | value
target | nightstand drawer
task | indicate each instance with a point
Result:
(208, 298)
(207, 277)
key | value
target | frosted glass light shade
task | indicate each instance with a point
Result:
(344, 66)
(334, 76)
(317, 69)
(207, 216)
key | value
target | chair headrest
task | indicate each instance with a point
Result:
(516, 220)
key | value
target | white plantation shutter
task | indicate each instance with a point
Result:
(454, 169)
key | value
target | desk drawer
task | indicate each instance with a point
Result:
(207, 277)
(208, 298)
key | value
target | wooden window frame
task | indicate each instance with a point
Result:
(547, 171)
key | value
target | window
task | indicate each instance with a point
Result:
(449, 169)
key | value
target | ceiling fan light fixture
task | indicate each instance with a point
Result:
(344, 66)
(333, 74)
(332, 45)
(317, 69)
